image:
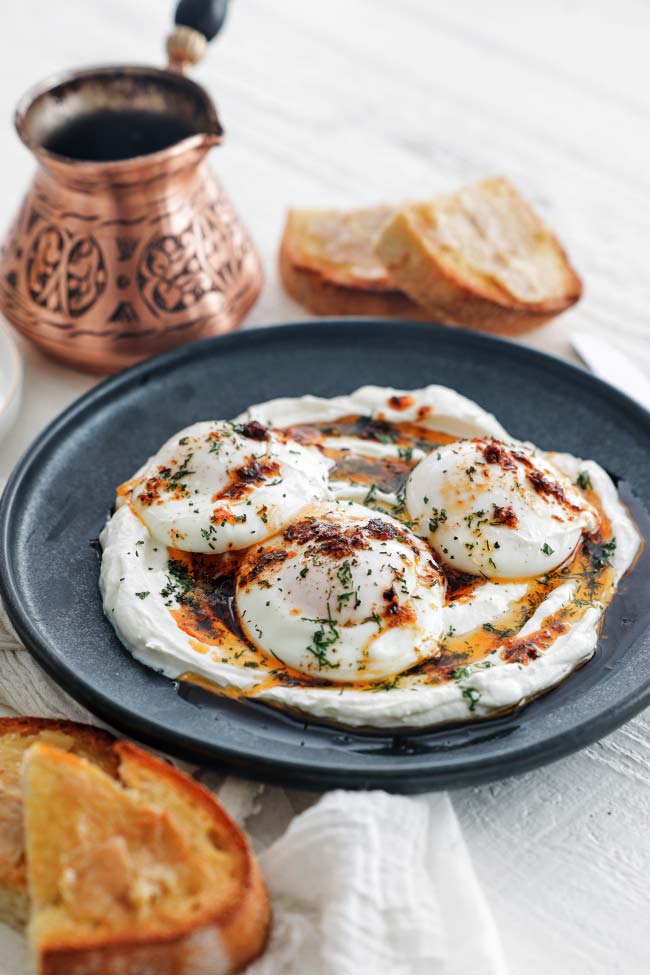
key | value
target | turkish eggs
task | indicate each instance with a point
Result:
(383, 559)
(497, 510)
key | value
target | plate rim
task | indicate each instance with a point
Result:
(400, 775)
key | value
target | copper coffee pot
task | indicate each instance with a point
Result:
(126, 244)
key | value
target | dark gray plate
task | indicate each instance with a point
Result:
(60, 494)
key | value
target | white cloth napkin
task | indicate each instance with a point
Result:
(361, 883)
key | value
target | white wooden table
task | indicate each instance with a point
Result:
(355, 101)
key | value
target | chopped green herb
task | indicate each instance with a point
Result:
(584, 481)
(401, 501)
(373, 618)
(325, 637)
(405, 453)
(501, 633)
(472, 696)
(371, 495)
(602, 554)
(344, 574)
(180, 584)
(175, 479)
(460, 673)
(437, 517)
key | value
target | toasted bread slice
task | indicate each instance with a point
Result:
(141, 872)
(479, 258)
(327, 264)
(16, 736)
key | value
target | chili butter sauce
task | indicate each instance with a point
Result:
(201, 588)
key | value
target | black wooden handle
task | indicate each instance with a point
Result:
(206, 16)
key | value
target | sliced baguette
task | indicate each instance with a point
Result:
(16, 736)
(327, 264)
(479, 258)
(140, 872)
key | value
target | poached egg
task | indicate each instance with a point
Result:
(217, 486)
(342, 594)
(497, 510)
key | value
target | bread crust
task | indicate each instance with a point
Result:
(213, 942)
(14, 900)
(34, 726)
(450, 296)
(330, 282)
(321, 297)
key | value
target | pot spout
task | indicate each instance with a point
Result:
(114, 115)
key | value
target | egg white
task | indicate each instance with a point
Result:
(497, 510)
(343, 594)
(212, 487)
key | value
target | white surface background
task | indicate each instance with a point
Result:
(354, 101)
